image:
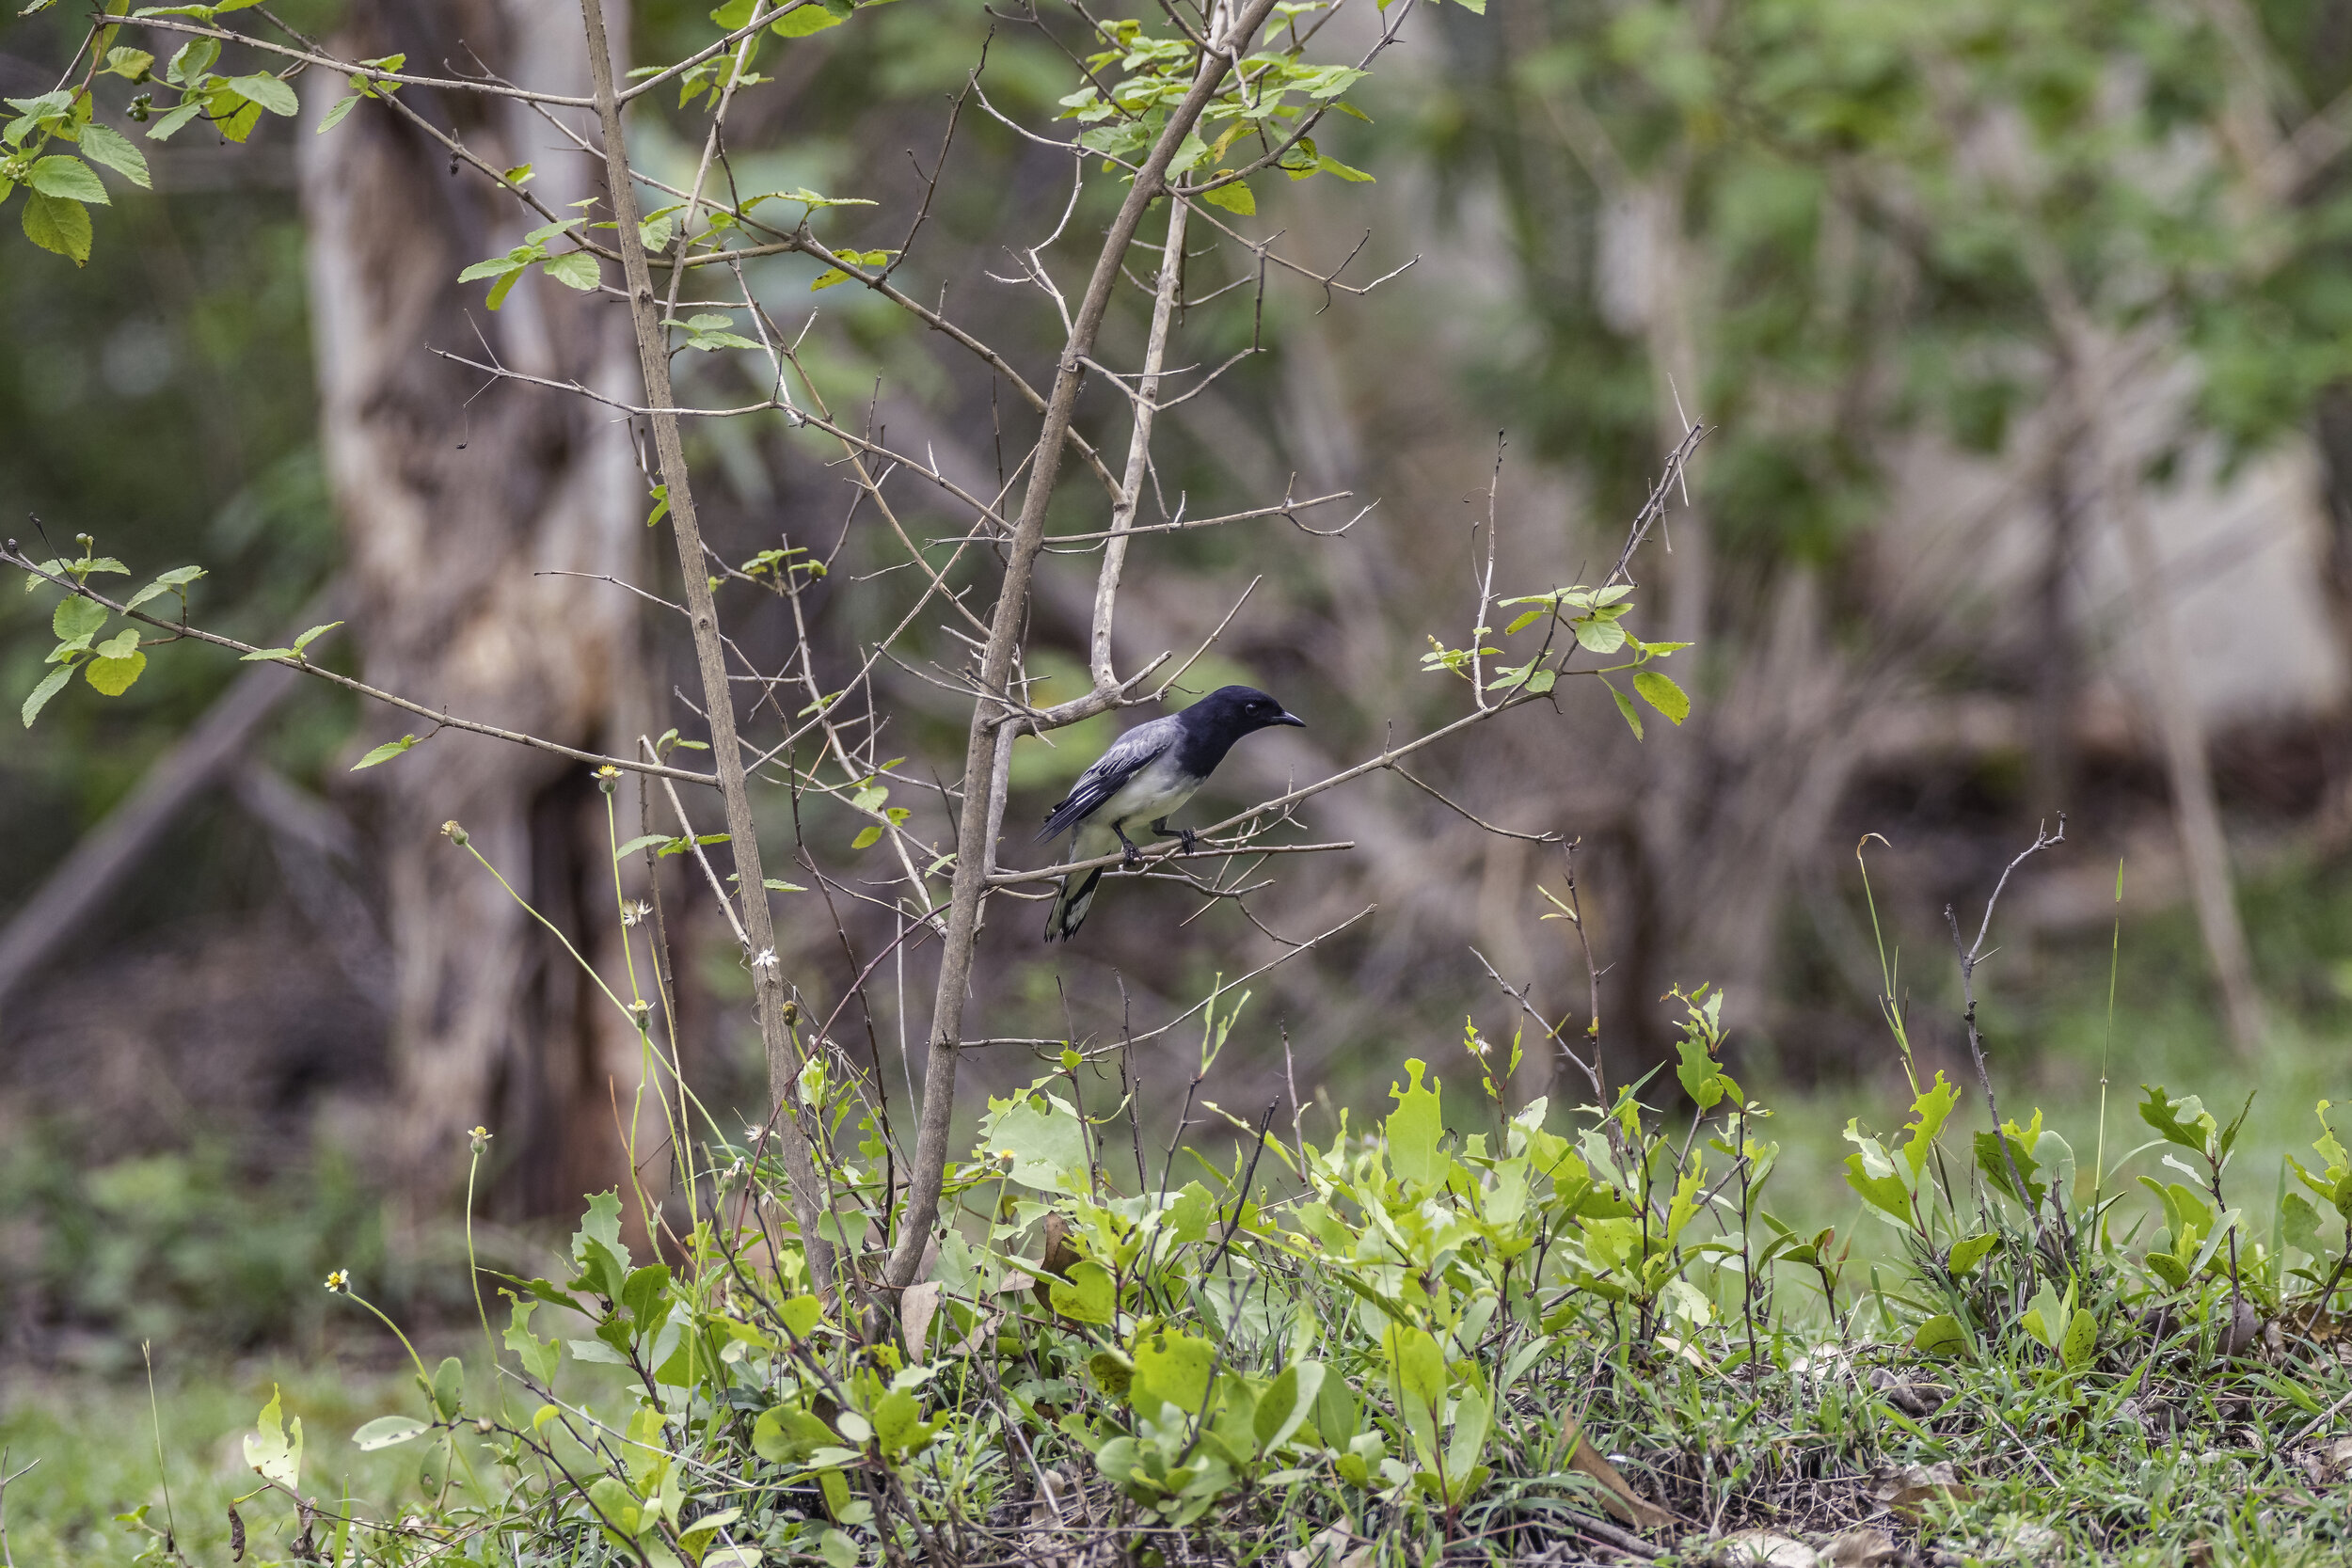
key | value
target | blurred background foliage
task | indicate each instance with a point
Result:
(1880, 247)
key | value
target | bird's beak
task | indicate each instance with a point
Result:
(1292, 719)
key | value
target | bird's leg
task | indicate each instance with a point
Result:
(1190, 840)
(1134, 856)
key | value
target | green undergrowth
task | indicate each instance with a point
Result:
(1471, 1330)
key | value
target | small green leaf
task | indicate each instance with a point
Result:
(867, 837)
(643, 841)
(103, 144)
(50, 685)
(387, 1431)
(129, 64)
(2081, 1340)
(58, 224)
(807, 19)
(1625, 706)
(1661, 693)
(777, 885)
(303, 642)
(1525, 618)
(1234, 198)
(334, 117)
(122, 644)
(1965, 1254)
(1941, 1336)
(166, 128)
(384, 753)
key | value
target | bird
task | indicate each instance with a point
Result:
(1148, 774)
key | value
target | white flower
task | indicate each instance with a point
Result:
(632, 915)
(765, 959)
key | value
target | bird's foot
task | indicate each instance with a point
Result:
(1130, 856)
(1185, 836)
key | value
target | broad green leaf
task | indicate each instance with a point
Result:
(388, 1431)
(384, 753)
(808, 19)
(129, 64)
(1599, 635)
(1929, 1112)
(103, 144)
(1966, 1254)
(50, 685)
(275, 1449)
(575, 269)
(114, 675)
(1286, 1405)
(1170, 1367)
(1414, 1130)
(1234, 198)
(2081, 1340)
(1661, 693)
(268, 91)
(76, 617)
(1090, 1297)
(67, 178)
(1941, 1336)
(58, 224)
(1044, 1137)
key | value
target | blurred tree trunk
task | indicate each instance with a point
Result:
(452, 503)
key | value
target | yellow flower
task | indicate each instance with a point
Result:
(340, 1282)
(455, 834)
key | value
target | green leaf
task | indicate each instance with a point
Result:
(302, 643)
(1046, 1138)
(2081, 1340)
(504, 286)
(275, 1449)
(574, 269)
(1625, 706)
(129, 64)
(388, 1431)
(1234, 198)
(1414, 1128)
(1090, 1297)
(1661, 693)
(1172, 1367)
(58, 224)
(1941, 1336)
(643, 841)
(50, 685)
(103, 144)
(122, 644)
(540, 1357)
(334, 117)
(67, 178)
(776, 884)
(799, 23)
(1286, 1405)
(1965, 1254)
(268, 91)
(1598, 634)
(167, 582)
(113, 675)
(867, 837)
(1525, 618)
(166, 128)
(384, 753)
(76, 617)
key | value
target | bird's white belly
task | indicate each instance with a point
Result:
(1151, 795)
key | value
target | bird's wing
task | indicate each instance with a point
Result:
(1129, 754)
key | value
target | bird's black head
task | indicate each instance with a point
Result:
(1238, 710)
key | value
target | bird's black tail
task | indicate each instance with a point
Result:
(1071, 905)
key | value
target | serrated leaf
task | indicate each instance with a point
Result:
(268, 91)
(58, 224)
(1661, 693)
(384, 753)
(50, 685)
(114, 677)
(103, 144)
(76, 617)
(67, 178)
(129, 64)
(1598, 636)
(575, 269)
(166, 128)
